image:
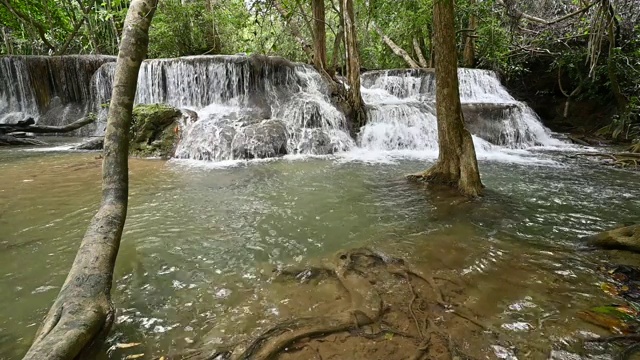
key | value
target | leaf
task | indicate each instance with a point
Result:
(126, 346)
(388, 336)
(136, 356)
(609, 289)
(606, 321)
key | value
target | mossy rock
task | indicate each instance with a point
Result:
(152, 131)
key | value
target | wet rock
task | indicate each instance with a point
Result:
(314, 141)
(92, 144)
(624, 238)
(154, 130)
(262, 140)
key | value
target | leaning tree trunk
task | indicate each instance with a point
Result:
(319, 35)
(457, 165)
(354, 97)
(83, 313)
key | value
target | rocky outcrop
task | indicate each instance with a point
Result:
(154, 130)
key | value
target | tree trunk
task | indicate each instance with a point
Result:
(395, 48)
(469, 56)
(354, 97)
(621, 100)
(457, 165)
(83, 313)
(416, 48)
(319, 35)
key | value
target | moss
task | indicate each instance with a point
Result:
(152, 131)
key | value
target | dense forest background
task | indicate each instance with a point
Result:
(577, 62)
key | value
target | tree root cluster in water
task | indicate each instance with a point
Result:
(393, 312)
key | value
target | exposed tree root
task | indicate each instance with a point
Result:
(621, 160)
(389, 301)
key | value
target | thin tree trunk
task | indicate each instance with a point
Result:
(354, 97)
(457, 165)
(7, 41)
(319, 34)
(416, 48)
(395, 48)
(469, 56)
(621, 100)
(336, 50)
(83, 313)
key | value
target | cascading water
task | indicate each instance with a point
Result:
(402, 113)
(248, 107)
(255, 107)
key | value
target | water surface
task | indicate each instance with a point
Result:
(200, 242)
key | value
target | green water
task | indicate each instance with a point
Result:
(200, 243)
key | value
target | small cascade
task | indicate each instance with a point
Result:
(402, 116)
(51, 90)
(248, 107)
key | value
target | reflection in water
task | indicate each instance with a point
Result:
(200, 244)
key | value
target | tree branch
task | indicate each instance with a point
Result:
(395, 48)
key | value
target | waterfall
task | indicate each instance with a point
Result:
(257, 106)
(247, 107)
(401, 109)
(51, 90)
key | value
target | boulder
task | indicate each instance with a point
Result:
(262, 140)
(92, 144)
(624, 238)
(154, 130)
(314, 141)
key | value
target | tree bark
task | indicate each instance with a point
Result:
(621, 100)
(457, 165)
(469, 56)
(83, 313)
(354, 97)
(319, 34)
(395, 48)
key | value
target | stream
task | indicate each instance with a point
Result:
(202, 239)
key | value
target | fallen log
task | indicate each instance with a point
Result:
(31, 127)
(624, 238)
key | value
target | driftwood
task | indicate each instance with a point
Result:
(82, 314)
(625, 238)
(13, 134)
(30, 126)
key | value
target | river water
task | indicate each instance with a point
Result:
(202, 239)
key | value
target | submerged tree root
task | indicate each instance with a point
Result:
(390, 304)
